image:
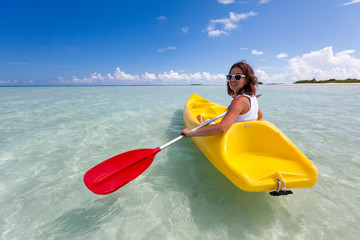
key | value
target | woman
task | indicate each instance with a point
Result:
(241, 85)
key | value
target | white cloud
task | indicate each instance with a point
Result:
(93, 78)
(166, 49)
(9, 82)
(118, 77)
(226, 1)
(148, 76)
(185, 29)
(281, 55)
(322, 65)
(264, 1)
(256, 52)
(77, 80)
(171, 77)
(216, 33)
(223, 26)
(121, 75)
(161, 19)
(241, 16)
(352, 2)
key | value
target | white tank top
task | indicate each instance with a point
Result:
(252, 114)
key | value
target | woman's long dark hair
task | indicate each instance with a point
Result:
(251, 80)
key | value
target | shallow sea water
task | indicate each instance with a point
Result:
(50, 136)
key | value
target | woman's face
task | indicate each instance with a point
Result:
(236, 85)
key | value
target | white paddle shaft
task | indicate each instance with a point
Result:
(200, 126)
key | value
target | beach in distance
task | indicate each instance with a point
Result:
(50, 136)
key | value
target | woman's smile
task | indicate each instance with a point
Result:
(233, 83)
(236, 85)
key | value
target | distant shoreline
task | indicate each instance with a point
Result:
(313, 81)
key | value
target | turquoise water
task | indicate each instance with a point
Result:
(50, 136)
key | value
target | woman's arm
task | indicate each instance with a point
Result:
(260, 114)
(236, 107)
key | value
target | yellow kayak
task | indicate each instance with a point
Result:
(256, 156)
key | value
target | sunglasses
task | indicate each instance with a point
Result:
(237, 77)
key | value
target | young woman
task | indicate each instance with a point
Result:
(241, 85)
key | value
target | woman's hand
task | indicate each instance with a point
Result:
(186, 132)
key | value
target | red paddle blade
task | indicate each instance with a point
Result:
(112, 174)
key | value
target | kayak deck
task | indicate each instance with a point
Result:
(253, 155)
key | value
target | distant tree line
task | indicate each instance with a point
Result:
(349, 80)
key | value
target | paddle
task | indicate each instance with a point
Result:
(112, 174)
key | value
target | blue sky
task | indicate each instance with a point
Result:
(176, 42)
